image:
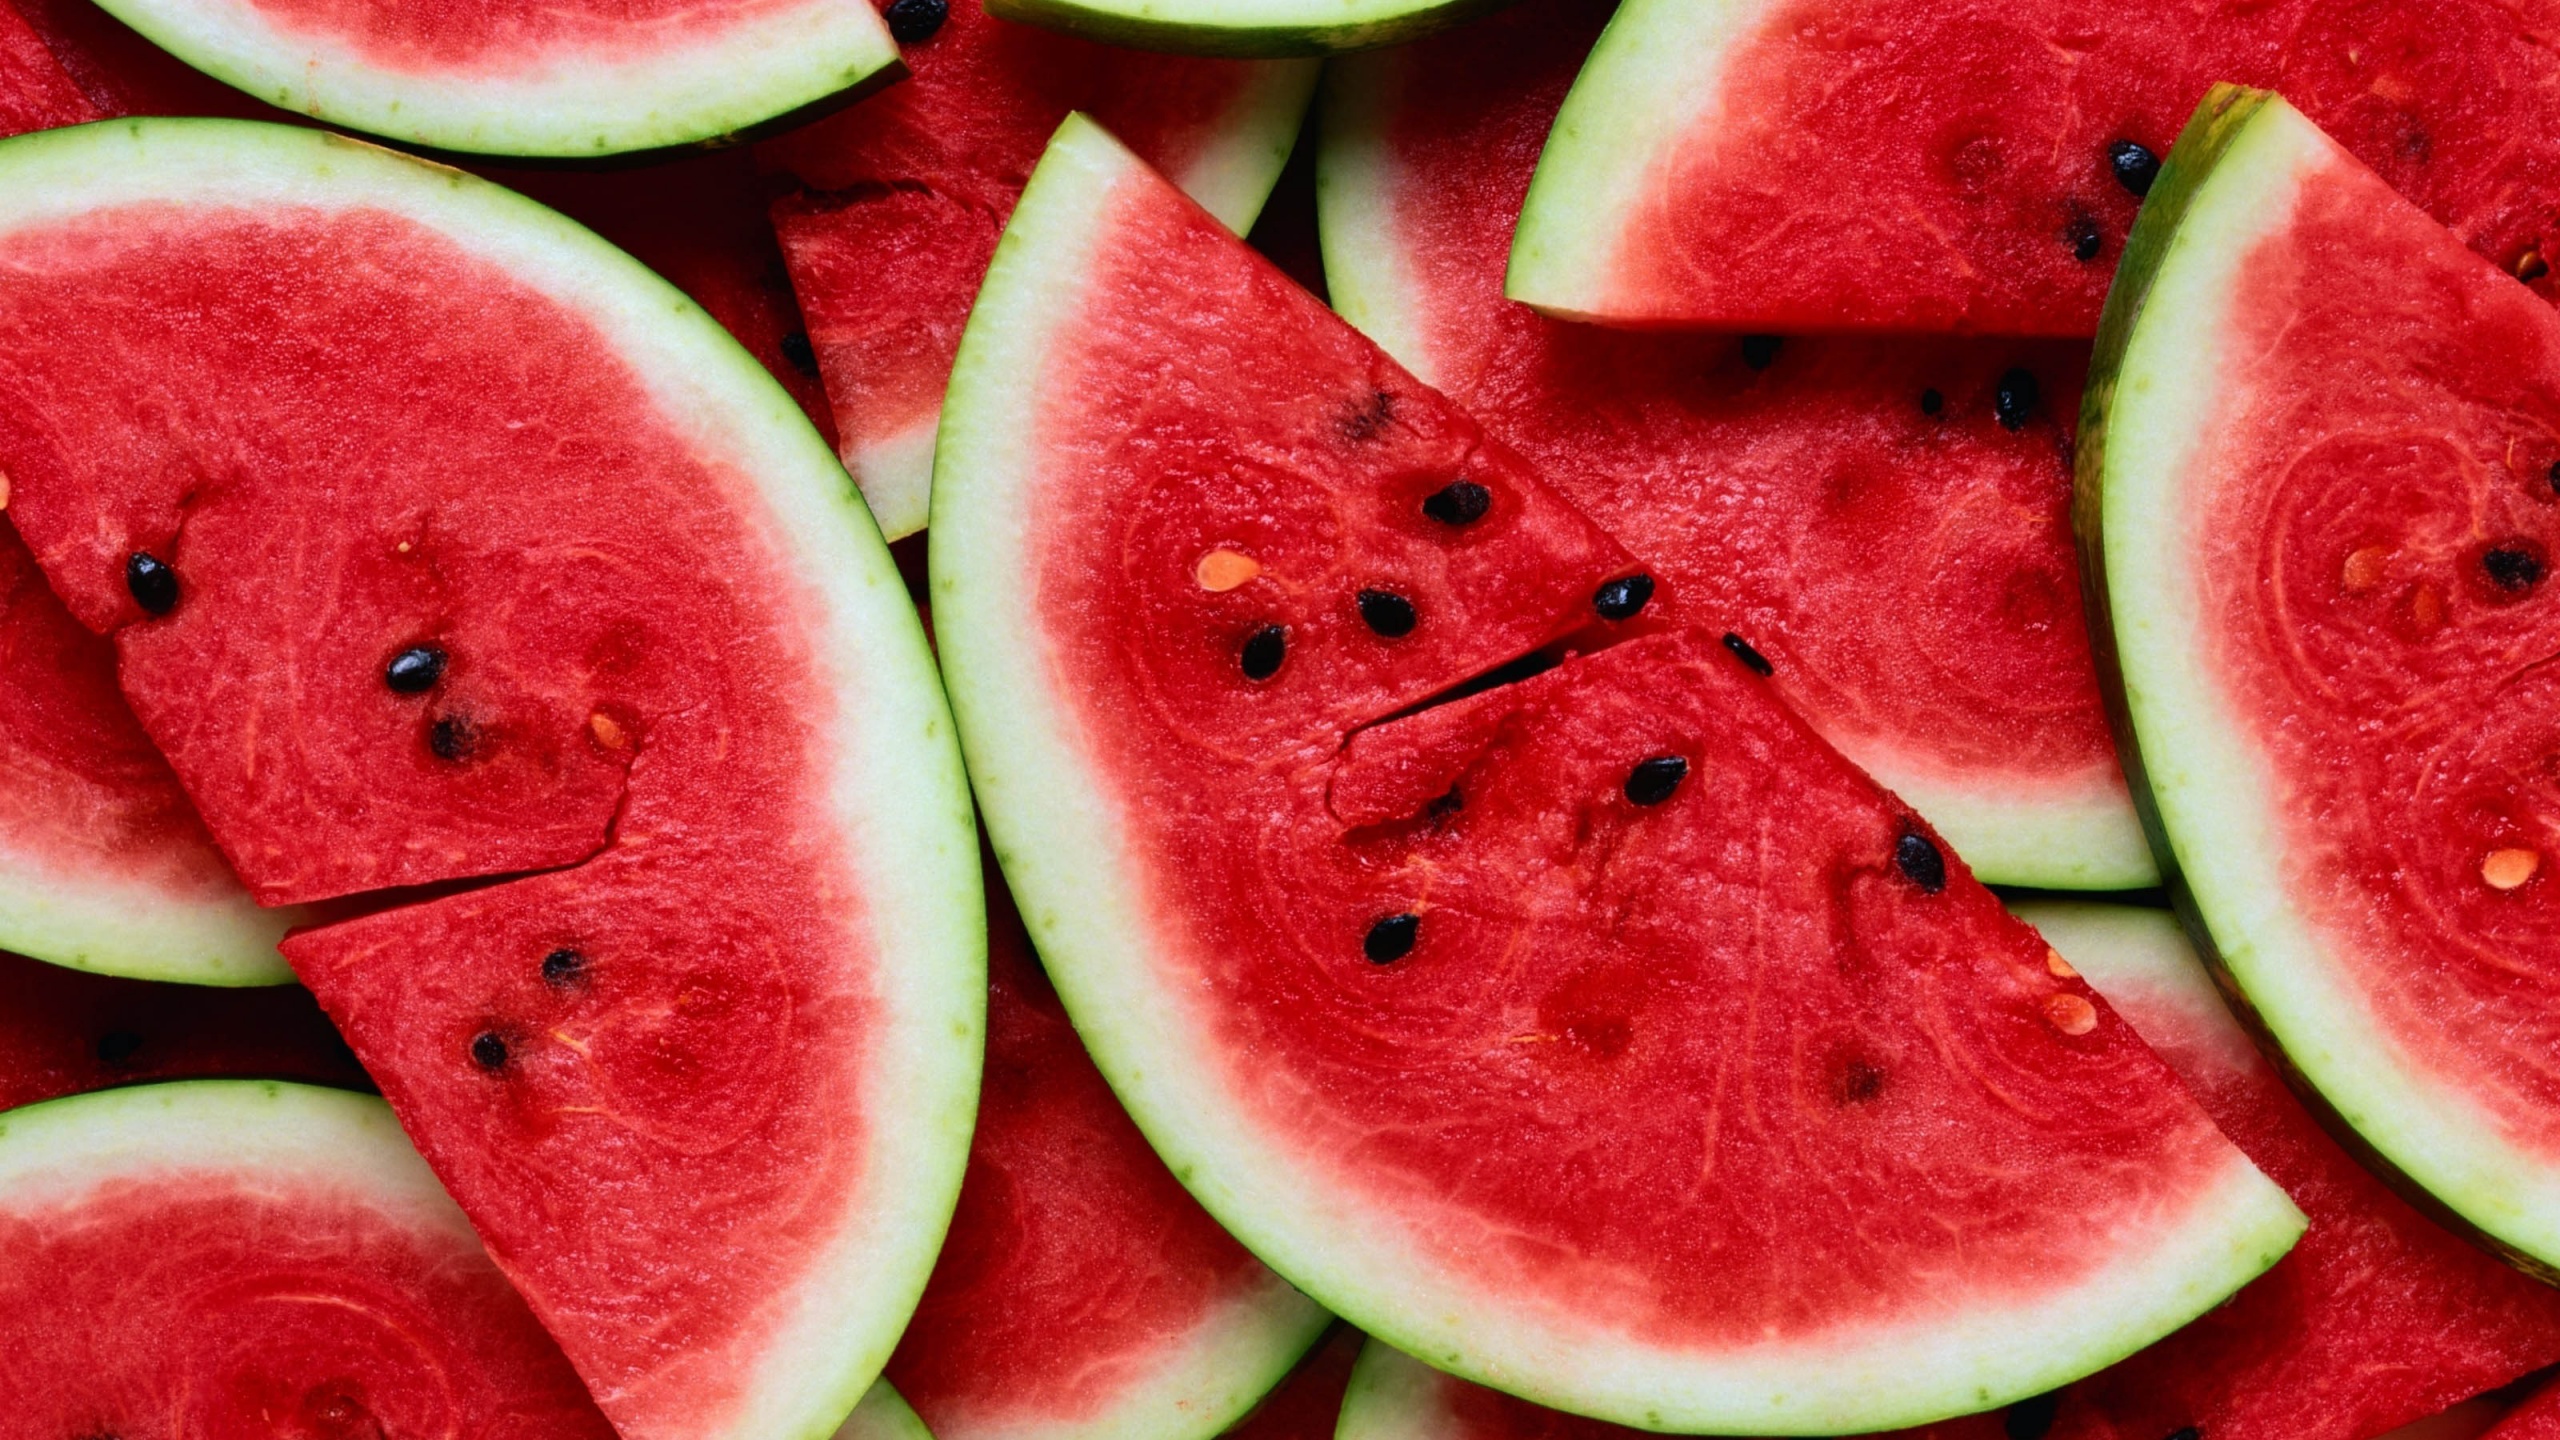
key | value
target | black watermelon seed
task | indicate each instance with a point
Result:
(2031, 1418)
(117, 1046)
(153, 583)
(1760, 351)
(2186, 1432)
(1264, 650)
(2083, 238)
(1463, 502)
(1655, 778)
(802, 355)
(415, 670)
(2555, 476)
(451, 737)
(1743, 651)
(2015, 401)
(563, 966)
(1931, 402)
(1387, 612)
(489, 1049)
(2134, 165)
(914, 20)
(1916, 855)
(2512, 569)
(1391, 938)
(1447, 805)
(1621, 598)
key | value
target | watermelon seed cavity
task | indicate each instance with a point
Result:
(1916, 855)
(450, 737)
(1391, 938)
(2016, 398)
(1621, 598)
(2511, 568)
(1264, 651)
(415, 670)
(1363, 422)
(153, 583)
(1463, 502)
(1751, 658)
(563, 967)
(1388, 613)
(1760, 351)
(914, 20)
(1655, 779)
(2134, 165)
(488, 1050)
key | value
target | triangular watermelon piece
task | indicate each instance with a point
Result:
(906, 193)
(1603, 1035)
(1975, 165)
(1886, 523)
(2317, 477)
(440, 541)
(63, 1032)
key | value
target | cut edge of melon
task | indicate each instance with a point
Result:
(2142, 962)
(1393, 1396)
(1365, 272)
(1650, 83)
(1229, 1360)
(1233, 175)
(2229, 181)
(2051, 836)
(895, 474)
(801, 57)
(896, 788)
(884, 1414)
(1246, 29)
(140, 929)
(1060, 843)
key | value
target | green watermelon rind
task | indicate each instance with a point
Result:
(1393, 1396)
(896, 788)
(2076, 841)
(791, 64)
(1653, 76)
(1228, 1362)
(884, 1414)
(139, 929)
(2203, 801)
(1061, 847)
(1247, 29)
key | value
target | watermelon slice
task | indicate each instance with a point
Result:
(36, 93)
(1795, 494)
(602, 606)
(2538, 1418)
(521, 78)
(2378, 1318)
(1082, 1292)
(907, 191)
(103, 864)
(123, 74)
(1975, 165)
(64, 1033)
(2317, 471)
(1248, 27)
(1436, 1013)
(231, 1259)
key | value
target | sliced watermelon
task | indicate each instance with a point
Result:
(1309, 1403)
(907, 191)
(1975, 165)
(1887, 524)
(103, 863)
(1453, 1017)
(2378, 1318)
(65, 1033)
(1247, 27)
(1082, 1292)
(602, 603)
(2538, 1418)
(124, 74)
(515, 77)
(36, 93)
(225, 1260)
(883, 1415)
(2318, 467)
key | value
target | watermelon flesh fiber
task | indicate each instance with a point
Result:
(1942, 165)
(1866, 515)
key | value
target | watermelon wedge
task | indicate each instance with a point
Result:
(1247, 27)
(2317, 475)
(521, 78)
(65, 1033)
(1886, 523)
(1436, 1012)
(232, 1259)
(1082, 1292)
(603, 608)
(1975, 165)
(103, 863)
(2380, 1317)
(906, 192)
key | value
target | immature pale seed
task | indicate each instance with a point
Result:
(2069, 1013)
(2507, 869)
(2056, 966)
(2363, 569)
(607, 730)
(1222, 570)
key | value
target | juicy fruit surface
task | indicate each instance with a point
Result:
(36, 93)
(1944, 164)
(1078, 1274)
(1872, 518)
(2538, 1418)
(2378, 1317)
(241, 1302)
(63, 1032)
(458, 34)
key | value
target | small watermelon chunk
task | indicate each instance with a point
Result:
(1602, 1034)
(1082, 1292)
(1886, 523)
(907, 191)
(491, 552)
(225, 1259)
(2317, 476)
(36, 93)
(1975, 165)
(63, 1032)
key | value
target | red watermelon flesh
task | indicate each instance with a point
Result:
(63, 1032)
(1867, 515)
(1309, 1403)
(1081, 1290)
(1944, 165)
(124, 74)
(2538, 1418)
(36, 93)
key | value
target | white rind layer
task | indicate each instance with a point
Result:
(1064, 847)
(1393, 1396)
(2219, 815)
(895, 791)
(575, 102)
(1245, 28)
(2141, 962)
(207, 935)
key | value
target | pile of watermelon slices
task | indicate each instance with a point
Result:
(1092, 720)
